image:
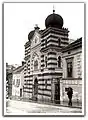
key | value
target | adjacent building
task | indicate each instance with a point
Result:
(18, 82)
(72, 70)
(9, 75)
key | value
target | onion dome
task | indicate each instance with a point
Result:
(30, 34)
(54, 20)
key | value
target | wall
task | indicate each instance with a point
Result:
(76, 85)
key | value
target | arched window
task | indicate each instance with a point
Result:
(45, 61)
(35, 65)
(59, 61)
(59, 41)
(35, 40)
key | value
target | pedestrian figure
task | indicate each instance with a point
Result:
(69, 93)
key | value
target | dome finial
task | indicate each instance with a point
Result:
(36, 27)
(53, 9)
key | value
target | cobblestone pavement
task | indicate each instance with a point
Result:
(29, 107)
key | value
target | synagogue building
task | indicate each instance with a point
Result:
(52, 63)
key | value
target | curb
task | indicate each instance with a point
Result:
(62, 105)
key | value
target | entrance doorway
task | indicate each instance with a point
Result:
(57, 92)
(35, 89)
(21, 92)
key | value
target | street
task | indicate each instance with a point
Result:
(29, 107)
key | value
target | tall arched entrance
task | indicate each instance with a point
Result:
(56, 91)
(35, 89)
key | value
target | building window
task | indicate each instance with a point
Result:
(13, 82)
(69, 69)
(35, 65)
(46, 84)
(27, 67)
(59, 41)
(35, 40)
(59, 61)
(79, 72)
(45, 42)
(17, 82)
(45, 61)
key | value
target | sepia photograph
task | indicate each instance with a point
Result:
(43, 59)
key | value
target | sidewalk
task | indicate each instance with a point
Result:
(74, 104)
(15, 106)
(64, 104)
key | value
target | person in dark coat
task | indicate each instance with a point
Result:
(69, 93)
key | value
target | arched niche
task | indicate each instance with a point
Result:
(35, 61)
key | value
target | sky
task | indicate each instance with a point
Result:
(20, 19)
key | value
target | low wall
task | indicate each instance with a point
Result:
(77, 90)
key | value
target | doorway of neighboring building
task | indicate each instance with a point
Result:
(21, 92)
(57, 92)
